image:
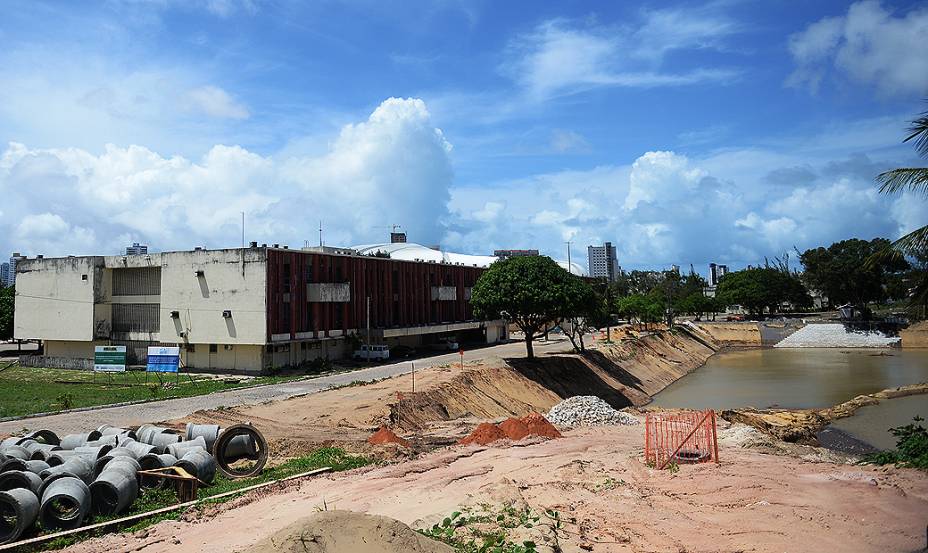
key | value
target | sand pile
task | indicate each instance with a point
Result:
(348, 532)
(386, 436)
(513, 429)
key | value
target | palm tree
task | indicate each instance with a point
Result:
(913, 179)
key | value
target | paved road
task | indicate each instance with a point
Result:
(134, 415)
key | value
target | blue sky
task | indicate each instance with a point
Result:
(683, 132)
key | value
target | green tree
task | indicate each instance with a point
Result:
(643, 308)
(911, 179)
(583, 311)
(7, 303)
(762, 288)
(527, 291)
(850, 271)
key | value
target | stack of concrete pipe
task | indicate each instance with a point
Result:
(63, 482)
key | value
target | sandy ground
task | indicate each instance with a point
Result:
(612, 502)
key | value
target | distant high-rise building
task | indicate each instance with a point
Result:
(11, 271)
(716, 272)
(506, 254)
(604, 262)
(4, 273)
(137, 249)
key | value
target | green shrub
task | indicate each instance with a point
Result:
(911, 447)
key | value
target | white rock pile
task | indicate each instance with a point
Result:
(588, 411)
(834, 335)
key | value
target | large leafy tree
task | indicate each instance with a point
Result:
(762, 288)
(7, 301)
(529, 292)
(645, 309)
(850, 272)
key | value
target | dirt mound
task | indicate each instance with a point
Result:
(348, 532)
(386, 436)
(539, 426)
(485, 433)
(514, 428)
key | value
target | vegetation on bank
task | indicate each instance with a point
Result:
(911, 447)
(29, 390)
(151, 500)
(489, 529)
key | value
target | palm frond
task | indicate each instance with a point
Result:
(919, 132)
(913, 179)
(913, 242)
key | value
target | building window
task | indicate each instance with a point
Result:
(309, 272)
(213, 348)
(191, 348)
(286, 278)
(84, 278)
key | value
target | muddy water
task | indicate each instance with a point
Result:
(794, 378)
(871, 424)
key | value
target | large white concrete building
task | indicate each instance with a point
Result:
(247, 309)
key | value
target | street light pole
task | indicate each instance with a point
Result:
(570, 268)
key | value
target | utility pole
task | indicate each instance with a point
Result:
(320, 233)
(368, 327)
(570, 268)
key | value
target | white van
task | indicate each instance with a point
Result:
(372, 353)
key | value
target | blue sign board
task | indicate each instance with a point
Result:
(163, 359)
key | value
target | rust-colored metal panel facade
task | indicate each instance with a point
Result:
(400, 292)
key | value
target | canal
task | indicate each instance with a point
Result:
(807, 378)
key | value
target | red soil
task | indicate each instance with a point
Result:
(539, 426)
(514, 429)
(386, 436)
(484, 434)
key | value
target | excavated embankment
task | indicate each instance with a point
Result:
(625, 373)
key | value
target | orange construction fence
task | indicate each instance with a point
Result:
(680, 438)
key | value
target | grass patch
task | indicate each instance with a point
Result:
(30, 390)
(151, 500)
(489, 529)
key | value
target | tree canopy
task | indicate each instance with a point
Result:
(529, 292)
(850, 271)
(7, 302)
(757, 289)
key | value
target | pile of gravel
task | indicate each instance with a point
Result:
(588, 411)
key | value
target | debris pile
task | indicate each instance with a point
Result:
(515, 429)
(386, 436)
(64, 482)
(588, 411)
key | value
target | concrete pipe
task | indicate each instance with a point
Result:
(7, 442)
(147, 432)
(107, 430)
(114, 491)
(164, 440)
(58, 457)
(153, 461)
(111, 440)
(199, 463)
(18, 511)
(125, 464)
(180, 448)
(79, 466)
(209, 432)
(17, 452)
(36, 466)
(14, 479)
(72, 441)
(122, 451)
(241, 441)
(65, 504)
(40, 451)
(139, 448)
(13, 463)
(44, 436)
(93, 451)
(26, 442)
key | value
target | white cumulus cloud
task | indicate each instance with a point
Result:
(216, 102)
(393, 167)
(869, 44)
